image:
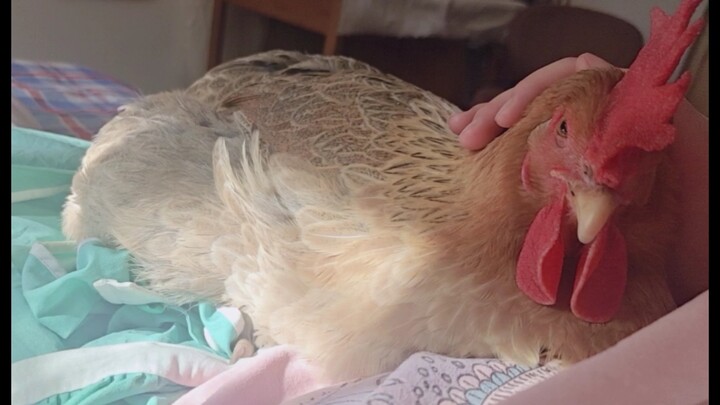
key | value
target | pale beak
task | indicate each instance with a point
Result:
(593, 208)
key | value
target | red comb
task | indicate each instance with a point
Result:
(641, 106)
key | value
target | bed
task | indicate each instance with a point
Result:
(64, 98)
(84, 333)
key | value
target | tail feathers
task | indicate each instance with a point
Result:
(250, 197)
(268, 234)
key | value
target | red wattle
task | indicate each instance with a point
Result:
(600, 277)
(540, 263)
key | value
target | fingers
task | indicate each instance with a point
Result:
(458, 122)
(530, 87)
(481, 131)
(481, 128)
(482, 123)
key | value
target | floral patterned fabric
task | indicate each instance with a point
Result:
(426, 378)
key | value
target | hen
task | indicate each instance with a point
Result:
(331, 203)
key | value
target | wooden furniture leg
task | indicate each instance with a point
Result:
(330, 44)
(320, 16)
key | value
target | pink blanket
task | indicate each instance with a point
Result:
(277, 375)
(270, 377)
(665, 363)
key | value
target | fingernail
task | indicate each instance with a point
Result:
(472, 137)
(501, 117)
(454, 123)
(465, 134)
(589, 61)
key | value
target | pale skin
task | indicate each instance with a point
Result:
(688, 274)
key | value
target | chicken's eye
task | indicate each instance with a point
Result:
(562, 129)
(561, 133)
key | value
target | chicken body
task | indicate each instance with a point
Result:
(331, 203)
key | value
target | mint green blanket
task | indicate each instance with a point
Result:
(82, 331)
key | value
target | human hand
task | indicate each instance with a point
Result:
(479, 125)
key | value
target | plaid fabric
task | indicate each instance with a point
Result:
(65, 98)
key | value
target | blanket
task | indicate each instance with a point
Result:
(64, 98)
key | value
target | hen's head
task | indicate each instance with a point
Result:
(556, 165)
(595, 153)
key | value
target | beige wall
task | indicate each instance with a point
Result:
(153, 44)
